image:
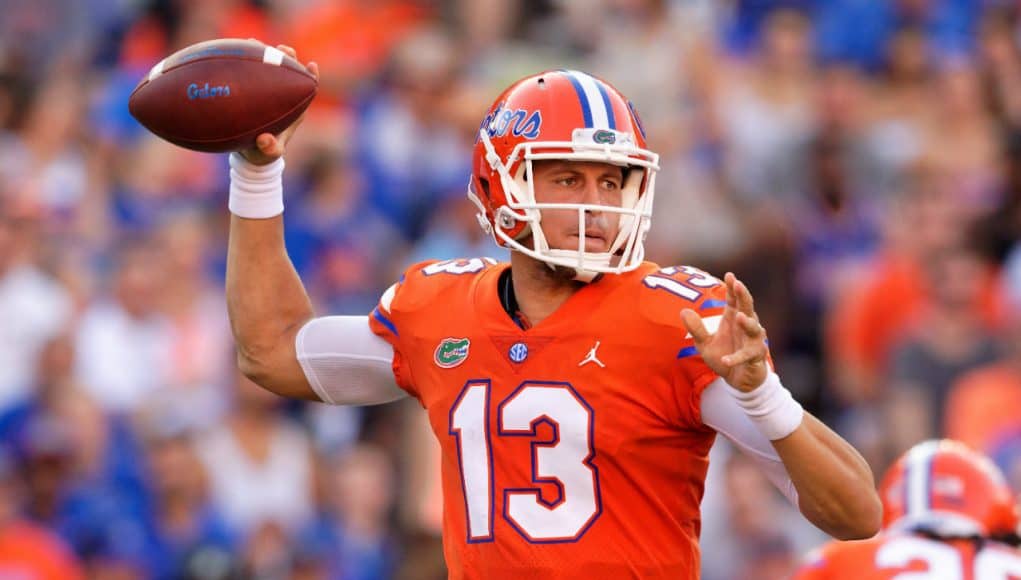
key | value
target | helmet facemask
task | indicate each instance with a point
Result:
(626, 250)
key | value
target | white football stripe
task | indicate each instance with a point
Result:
(157, 70)
(387, 298)
(711, 323)
(272, 56)
(600, 119)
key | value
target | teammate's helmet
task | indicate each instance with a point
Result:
(566, 115)
(944, 488)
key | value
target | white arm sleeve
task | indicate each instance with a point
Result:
(721, 412)
(346, 363)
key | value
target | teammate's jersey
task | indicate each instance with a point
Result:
(573, 449)
(905, 556)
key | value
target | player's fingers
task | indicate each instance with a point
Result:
(313, 68)
(287, 50)
(749, 354)
(269, 145)
(745, 302)
(693, 322)
(728, 279)
(751, 326)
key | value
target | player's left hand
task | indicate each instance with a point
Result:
(737, 351)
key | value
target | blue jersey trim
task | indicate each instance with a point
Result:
(384, 321)
(687, 351)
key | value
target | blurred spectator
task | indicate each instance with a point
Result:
(188, 537)
(260, 465)
(155, 179)
(454, 232)
(352, 529)
(26, 549)
(857, 30)
(984, 406)
(97, 515)
(999, 60)
(271, 552)
(753, 534)
(43, 161)
(964, 141)
(351, 39)
(764, 112)
(33, 306)
(336, 238)
(104, 451)
(200, 342)
(902, 106)
(409, 181)
(835, 224)
(39, 35)
(124, 341)
(871, 313)
(653, 50)
(947, 339)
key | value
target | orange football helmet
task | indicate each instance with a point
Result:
(566, 115)
(944, 488)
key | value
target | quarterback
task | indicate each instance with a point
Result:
(576, 390)
(947, 514)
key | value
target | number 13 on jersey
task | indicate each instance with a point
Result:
(565, 460)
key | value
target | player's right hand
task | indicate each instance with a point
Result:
(737, 351)
(268, 147)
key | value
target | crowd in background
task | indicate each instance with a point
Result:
(856, 162)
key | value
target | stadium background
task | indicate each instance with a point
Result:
(857, 162)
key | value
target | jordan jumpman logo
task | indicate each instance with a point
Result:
(591, 357)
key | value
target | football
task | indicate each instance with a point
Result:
(219, 95)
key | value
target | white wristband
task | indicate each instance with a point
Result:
(771, 407)
(256, 191)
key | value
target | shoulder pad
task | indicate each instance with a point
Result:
(424, 281)
(669, 290)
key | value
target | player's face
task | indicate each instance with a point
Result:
(578, 182)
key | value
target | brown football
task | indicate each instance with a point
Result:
(219, 95)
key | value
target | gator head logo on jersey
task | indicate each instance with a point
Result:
(452, 352)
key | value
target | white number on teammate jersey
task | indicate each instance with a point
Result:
(458, 266)
(943, 561)
(691, 277)
(566, 460)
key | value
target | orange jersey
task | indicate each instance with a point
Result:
(903, 555)
(573, 449)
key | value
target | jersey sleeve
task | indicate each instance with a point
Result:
(386, 322)
(692, 369)
(667, 292)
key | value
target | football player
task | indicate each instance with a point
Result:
(576, 390)
(948, 515)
